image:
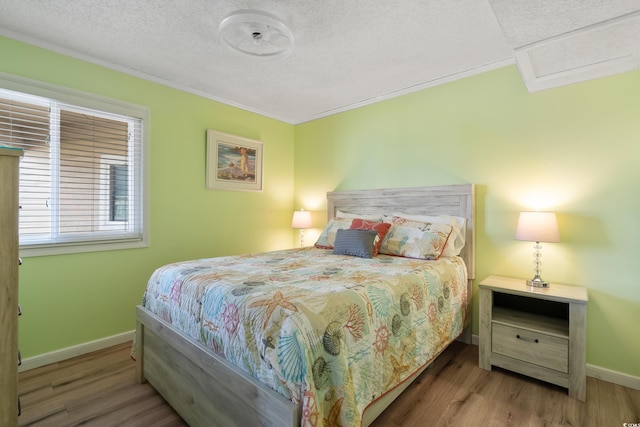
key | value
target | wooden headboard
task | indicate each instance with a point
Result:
(458, 200)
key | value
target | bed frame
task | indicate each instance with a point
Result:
(207, 390)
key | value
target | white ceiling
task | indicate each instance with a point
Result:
(347, 53)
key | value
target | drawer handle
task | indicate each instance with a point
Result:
(527, 339)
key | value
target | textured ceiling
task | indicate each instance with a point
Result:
(346, 53)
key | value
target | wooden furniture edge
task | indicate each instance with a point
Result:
(485, 304)
(9, 287)
(244, 392)
(539, 372)
(578, 351)
(555, 291)
(9, 151)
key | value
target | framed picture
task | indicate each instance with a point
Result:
(233, 162)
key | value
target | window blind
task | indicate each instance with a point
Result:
(81, 173)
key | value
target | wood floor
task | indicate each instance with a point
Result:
(99, 389)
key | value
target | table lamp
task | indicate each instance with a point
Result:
(301, 220)
(537, 227)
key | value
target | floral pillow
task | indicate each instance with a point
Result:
(328, 236)
(458, 225)
(381, 227)
(415, 239)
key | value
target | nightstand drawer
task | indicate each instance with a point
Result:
(533, 347)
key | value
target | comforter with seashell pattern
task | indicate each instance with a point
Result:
(328, 331)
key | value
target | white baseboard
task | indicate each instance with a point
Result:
(600, 373)
(614, 377)
(475, 339)
(76, 350)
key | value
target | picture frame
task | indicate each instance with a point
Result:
(234, 163)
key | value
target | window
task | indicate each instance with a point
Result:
(118, 201)
(81, 176)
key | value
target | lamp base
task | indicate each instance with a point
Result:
(537, 282)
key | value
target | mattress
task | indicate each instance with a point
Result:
(331, 332)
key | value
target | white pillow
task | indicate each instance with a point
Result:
(457, 223)
(368, 217)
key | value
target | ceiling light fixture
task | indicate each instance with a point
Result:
(256, 33)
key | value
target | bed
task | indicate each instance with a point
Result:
(323, 353)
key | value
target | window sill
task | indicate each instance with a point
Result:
(26, 252)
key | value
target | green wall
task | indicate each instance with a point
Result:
(73, 299)
(573, 150)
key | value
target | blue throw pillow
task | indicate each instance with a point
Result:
(358, 243)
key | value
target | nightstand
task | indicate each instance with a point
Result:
(538, 332)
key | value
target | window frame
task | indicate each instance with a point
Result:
(107, 105)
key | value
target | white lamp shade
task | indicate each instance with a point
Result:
(301, 219)
(538, 227)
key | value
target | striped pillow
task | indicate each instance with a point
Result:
(358, 243)
(381, 227)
